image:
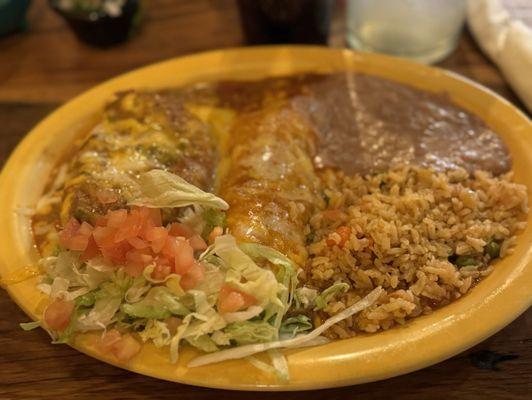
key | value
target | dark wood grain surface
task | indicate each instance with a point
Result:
(46, 66)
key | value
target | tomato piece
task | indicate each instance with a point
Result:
(115, 219)
(117, 253)
(85, 229)
(104, 236)
(133, 269)
(130, 228)
(78, 242)
(184, 257)
(108, 340)
(170, 246)
(178, 229)
(100, 221)
(91, 250)
(193, 277)
(147, 226)
(137, 257)
(154, 214)
(197, 242)
(156, 233)
(157, 245)
(138, 243)
(162, 268)
(58, 313)
(126, 348)
(232, 300)
(69, 230)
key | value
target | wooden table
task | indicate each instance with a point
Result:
(46, 66)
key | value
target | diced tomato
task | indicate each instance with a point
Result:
(170, 247)
(156, 233)
(162, 269)
(232, 300)
(100, 221)
(104, 236)
(197, 242)
(134, 239)
(157, 236)
(193, 277)
(108, 340)
(58, 313)
(154, 214)
(134, 270)
(138, 243)
(135, 256)
(157, 245)
(107, 196)
(177, 229)
(147, 226)
(126, 348)
(78, 242)
(130, 228)
(184, 257)
(91, 250)
(70, 229)
(117, 253)
(85, 229)
(115, 219)
(217, 231)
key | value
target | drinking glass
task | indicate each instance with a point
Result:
(424, 30)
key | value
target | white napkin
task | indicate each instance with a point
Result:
(503, 29)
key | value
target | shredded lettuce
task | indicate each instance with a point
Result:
(279, 367)
(159, 303)
(280, 364)
(239, 316)
(301, 340)
(212, 282)
(138, 288)
(286, 275)
(250, 332)
(213, 218)
(203, 343)
(161, 189)
(242, 273)
(295, 325)
(86, 300)
(220, 338)
(156, 331)
(328, 294)
(204, 320)
(28, 326)
(304, 297)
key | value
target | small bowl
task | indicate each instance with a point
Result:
(13, 16)
(100, 29)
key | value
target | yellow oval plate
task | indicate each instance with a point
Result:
(491, 305)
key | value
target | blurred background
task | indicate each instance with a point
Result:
(51, 50)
